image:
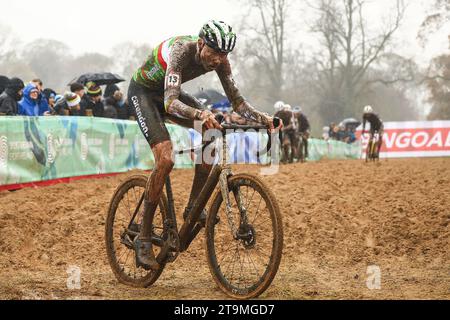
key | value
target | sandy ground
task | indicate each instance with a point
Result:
(340, 217)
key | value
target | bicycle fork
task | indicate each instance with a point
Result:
(223, 182)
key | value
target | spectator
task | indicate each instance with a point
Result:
(121, 107)
(326, 133)
(68, 105)
(3, 83)
(58, 97)
(351, 135)
(94, 100)
(110, 90)
(341, 134)
(38, 83)
(73, 103)
(78, 89)
(42, 100)
(9, 98)
(110, 111)
(333, 131)
(50, 95)
(32, 103)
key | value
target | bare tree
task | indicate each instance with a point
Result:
(128, 57)
(49, 60)
(348, 50)
(439, 87)
(438, 17)
(266, 41)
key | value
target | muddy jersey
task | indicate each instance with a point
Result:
(303, 122)
(176, 61)
(152, 73)
(287, 117)
(374, 120)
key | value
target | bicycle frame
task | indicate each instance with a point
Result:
(373, 145)
(219, 176)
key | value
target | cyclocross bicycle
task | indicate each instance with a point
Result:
(243, 229)
(372, 153)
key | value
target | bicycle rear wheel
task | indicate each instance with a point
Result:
(244, 268)
(121, 229)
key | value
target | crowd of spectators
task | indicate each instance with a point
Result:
(340, 132)
(31, 99)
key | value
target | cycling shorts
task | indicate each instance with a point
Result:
(151, 115)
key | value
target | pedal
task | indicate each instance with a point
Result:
(126, 240)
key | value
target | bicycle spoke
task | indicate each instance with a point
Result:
(232, 265)
(227, 250)
(253, 263)
(262, 252)
(120, 210)
(250, 200)
(135, 197)
(240, 263)
(257, 211)
(128, 201)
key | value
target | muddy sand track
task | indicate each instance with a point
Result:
(339, 218)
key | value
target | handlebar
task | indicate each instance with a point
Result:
(276, 123)
(220, 119)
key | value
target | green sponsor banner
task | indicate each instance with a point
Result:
(331, 149)
(45, 148)
(34, 149)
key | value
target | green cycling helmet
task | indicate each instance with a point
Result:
(219, 36)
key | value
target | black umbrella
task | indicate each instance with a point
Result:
(350, 123)
(100, 79)
(210, 96)
(3, 83)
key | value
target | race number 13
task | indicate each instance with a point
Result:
(173, 80)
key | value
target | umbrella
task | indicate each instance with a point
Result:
(350, 122)
(100, 79)
(210, 97)
(3, 83)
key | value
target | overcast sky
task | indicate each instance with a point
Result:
(96, 26)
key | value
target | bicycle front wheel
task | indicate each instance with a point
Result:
(245, 266)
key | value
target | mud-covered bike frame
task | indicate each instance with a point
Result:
(179, 241)
(372, 151)
(244, 238)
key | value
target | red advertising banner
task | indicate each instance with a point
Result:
(413, 139)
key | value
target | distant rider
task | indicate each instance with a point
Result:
(376, 125)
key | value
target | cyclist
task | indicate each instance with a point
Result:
(376, 125)
(278, 106)
(303, 127)
(156, 95)
(289, 138)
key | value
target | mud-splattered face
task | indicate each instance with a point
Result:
(210, 58)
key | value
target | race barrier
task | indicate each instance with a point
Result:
(47, 148)
(413, 139)
(39, 150)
